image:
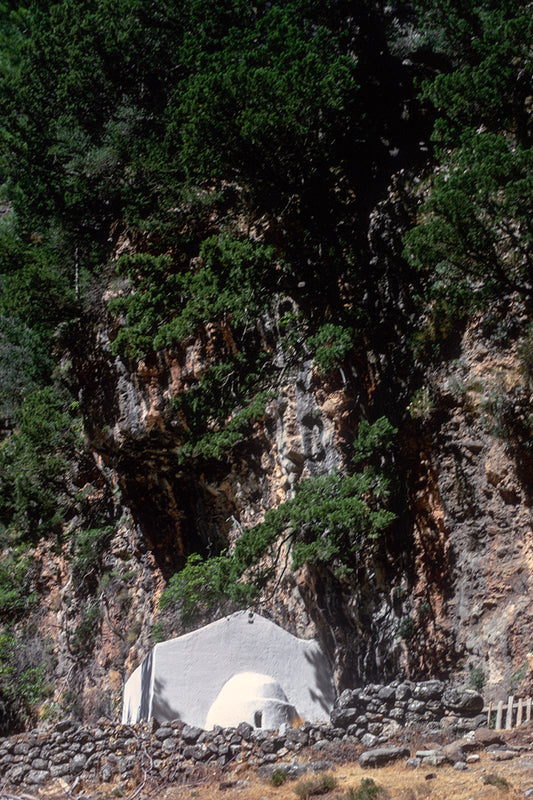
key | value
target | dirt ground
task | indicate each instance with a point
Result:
(486, 779)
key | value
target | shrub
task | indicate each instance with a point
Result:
(469, 255)
(498, 781)
(16, 595)
(330, 346)
(86, 551)
(23, 363)
(407, 628)
(84, 637)
(210, 439)
(169, 304)
(195, 590)
(160, 631)
(278, 777)
(34, 465)
(24, 675)
(368, 790)
(478, 679)
(321, 784)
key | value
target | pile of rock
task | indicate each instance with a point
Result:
(459, 753)
(108, 751)
(378, 711)
(368, 716)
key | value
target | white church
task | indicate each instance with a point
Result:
(242, 668)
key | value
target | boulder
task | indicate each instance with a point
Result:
(467, 743)
(465, 702)
(404, 690)
(434, 760)
(164, 732)
(387, 693)
(382, 755)
(503, 755)
(486, 737)
(297, 736)
(18, 772)
(292, 770)
(397, 713)
(245, 730)
(190, 734)
(369, 740)
(168, 746)
(197, 752)
(37, 777)
(59, 770)
(78, 763)
(428, 690)
(453, 753)
(342, 717)
(348, 699)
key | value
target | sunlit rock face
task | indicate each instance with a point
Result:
(193, 677)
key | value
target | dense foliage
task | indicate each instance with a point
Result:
(474, 241)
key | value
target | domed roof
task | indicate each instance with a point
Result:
(251, 697)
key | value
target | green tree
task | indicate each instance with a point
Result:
(473, 241)
(34, 463)
(491, 83)
(24, 363)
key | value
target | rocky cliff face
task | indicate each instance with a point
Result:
(445, 592)
(472, 498)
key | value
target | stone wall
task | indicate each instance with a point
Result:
(172, 751)
(378, 711)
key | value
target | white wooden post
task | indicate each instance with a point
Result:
(499, 715)
(519, 714)
(509, 716)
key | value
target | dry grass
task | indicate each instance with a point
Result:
(484, 780)
(443, 783)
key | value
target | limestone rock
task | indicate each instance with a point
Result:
(453, 753)
(190, 733)
(503, 755)
(487, 736)
(428, 690)
(244, 729)
(342, 717)
(382, 755)
(347, 699)
(369, 740)
(463, 701)
(37, 777)
(404, 690)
